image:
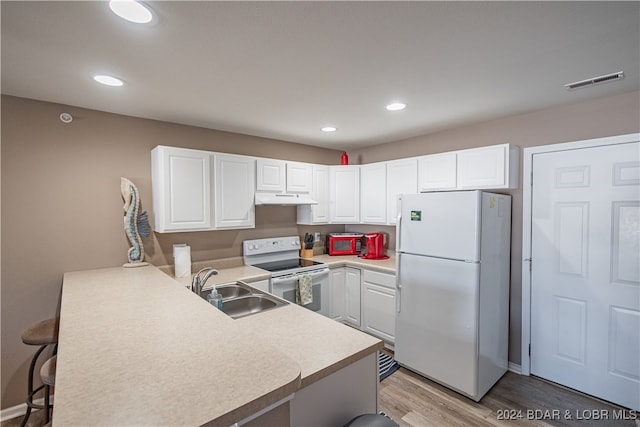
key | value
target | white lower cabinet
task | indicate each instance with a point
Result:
(365, 299)
(352, 287)
(344, 293)
(378, 304)
(337, 294)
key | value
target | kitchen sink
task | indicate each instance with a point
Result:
(228, 291)
(240, 300)
(250, 304)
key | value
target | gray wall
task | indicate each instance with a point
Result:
(62, 209)
(616, 115)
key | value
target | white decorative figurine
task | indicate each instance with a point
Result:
(136, 224)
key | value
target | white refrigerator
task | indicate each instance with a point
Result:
(452, 287)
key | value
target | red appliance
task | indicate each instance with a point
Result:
(344, 243)
(374, 243)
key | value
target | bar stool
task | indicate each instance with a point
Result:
(48, 377)
(43, 334)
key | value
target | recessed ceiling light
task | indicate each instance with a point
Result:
(329, 129)
(108, 80)
(131, 10)
(396, 106)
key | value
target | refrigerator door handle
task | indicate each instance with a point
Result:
(398, 254)
(398, 285)
(398, 225)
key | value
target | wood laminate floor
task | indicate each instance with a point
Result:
(412, 400)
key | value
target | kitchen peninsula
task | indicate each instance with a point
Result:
(138, 348)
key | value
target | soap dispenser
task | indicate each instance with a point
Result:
(215, 299)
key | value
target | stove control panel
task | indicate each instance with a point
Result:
(271, 245)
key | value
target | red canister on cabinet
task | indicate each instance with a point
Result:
(344, 159)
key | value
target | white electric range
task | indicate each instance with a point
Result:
(280, 257)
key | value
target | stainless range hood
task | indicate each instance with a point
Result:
(284, 199)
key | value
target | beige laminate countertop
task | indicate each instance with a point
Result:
(382, 265)
(137, 348)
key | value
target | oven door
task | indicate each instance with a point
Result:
(285, 288)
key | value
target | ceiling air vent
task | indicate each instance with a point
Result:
(595, 80)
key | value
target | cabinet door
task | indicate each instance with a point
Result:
(234, 191)
(337, 293)
(437, 172)
(270, 175)
(344, 194)
(317, 214)
(373, 192)
(402, 178)
(378, 305)
(483, 167)
(298, 177)
(352, 290)
(181, 189)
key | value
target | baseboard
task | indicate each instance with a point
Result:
(21, 409)
(515, 368)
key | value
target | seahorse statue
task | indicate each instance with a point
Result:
(136, 224)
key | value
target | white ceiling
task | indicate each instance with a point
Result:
(285, 69)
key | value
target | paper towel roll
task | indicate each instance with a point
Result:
(182, 260)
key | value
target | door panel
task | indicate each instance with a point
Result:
(402, 178)
(337, 293)
(353, 292)
(234, 191)
(585, 277)
(378, 311)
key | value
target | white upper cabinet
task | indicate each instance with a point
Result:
(317, 214)
(181, 189)
(270, 174)
(234, 191)
(344, 194)
(373, 193)
(402, 178)
(495, 166)
(298, 177)
(279, 176)
(437, 172)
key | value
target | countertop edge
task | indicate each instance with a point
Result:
(353, 261)
(257, 405)
(316, 376)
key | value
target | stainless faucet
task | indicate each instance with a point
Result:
(197, 283)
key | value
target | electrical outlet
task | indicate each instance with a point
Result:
(317, 236)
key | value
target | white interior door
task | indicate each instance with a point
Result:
(585, 277)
